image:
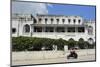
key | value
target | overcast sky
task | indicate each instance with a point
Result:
(87, 12)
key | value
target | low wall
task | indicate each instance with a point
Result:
(35, 55)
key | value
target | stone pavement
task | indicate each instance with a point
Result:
(54, 60)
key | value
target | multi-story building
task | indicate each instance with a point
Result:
(53, 26)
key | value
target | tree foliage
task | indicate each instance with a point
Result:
(36, 44)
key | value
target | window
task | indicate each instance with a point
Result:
(74, 21)
(57, 21)
(60, 29)
(49, 29)
(79, 21)
(13, 30)
(40, 19)
(69, 20)
(71, 29)
(46, 20)
(63, 20)
(52, 20)
(37, 29)
(26, 28)
(81, 29)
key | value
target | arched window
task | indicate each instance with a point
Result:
(57, 21)
(79, 21)
(90, 30)
(69, 20)
(52, 20)
(40, 19)
(90, 40)
(26, 28)
(63, 20)
(46, 20)
(74, 20)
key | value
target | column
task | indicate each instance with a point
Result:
(65, 48)
(31, 30)
(43, 29)
(76, 29)
(18, 28)
(65, 29)
(54, 29)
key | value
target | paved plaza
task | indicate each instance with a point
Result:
(56, 60)
(83, 57)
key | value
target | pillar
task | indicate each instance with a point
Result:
(65, 48)
(43, 29)
(31, 30)
(54, 29)
(65, 29)
(76, 29)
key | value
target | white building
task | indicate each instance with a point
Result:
(53, 26)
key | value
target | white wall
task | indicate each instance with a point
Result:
(66, 35)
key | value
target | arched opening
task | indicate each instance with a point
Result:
(46, 20)
(74, 20)
(63, 20)
(26, 28)
(79, 21)
(91, 43)
(69, 20)
(57, 21)
(52, 20)
(90, 40)
(90, 30)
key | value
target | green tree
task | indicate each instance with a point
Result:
(71, 43)
(81, 43)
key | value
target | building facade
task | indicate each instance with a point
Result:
(53, 26)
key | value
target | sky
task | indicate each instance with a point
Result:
(87, 12)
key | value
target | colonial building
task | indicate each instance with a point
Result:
(53, 26)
